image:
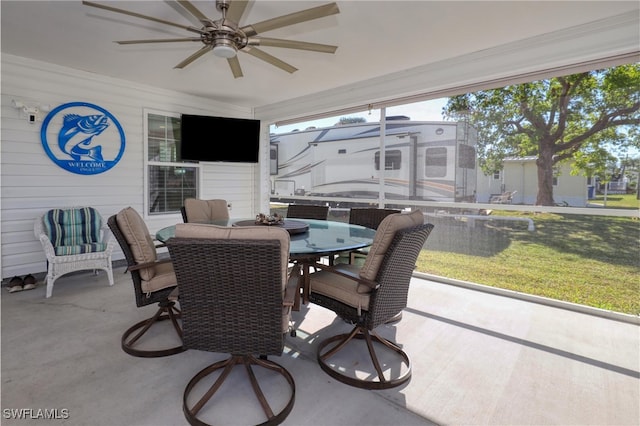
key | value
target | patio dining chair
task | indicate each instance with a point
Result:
(74, 239)
(307, 211)
(196, 210)
(236, 297)
(368, 297)
(369, 217)
(153, 282)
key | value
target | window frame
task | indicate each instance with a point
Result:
(430, 168)
(147, 163)
(389, 155)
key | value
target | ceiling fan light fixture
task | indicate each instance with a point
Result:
(224, 51)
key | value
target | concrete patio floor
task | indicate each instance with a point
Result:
(478, 359)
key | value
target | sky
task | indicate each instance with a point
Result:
(419, 111)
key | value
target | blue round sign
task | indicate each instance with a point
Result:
(82, 138)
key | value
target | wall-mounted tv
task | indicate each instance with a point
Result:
(208, 138)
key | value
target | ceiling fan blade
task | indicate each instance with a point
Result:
(292, 18)
(138, 15)
(193, 57)
(270, 59)
(234, 64)
(236, 10)
(292, 44)
(194, 11)
(160, 40)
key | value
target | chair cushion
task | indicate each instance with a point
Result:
(382, 240)
(199, 230)
(79, 249)
(205, 210)
(163, 277)
(341, 288)
(137, 236)
(74, 227)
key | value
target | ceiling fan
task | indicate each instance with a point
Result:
(224, 37)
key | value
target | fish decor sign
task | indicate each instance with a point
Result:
(82, 138)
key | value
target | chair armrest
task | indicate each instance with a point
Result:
(108, 238)
(40, 234)
(49, 250)
(292, 289)
(148, 264)
(347, 274)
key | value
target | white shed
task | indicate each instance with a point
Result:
(520, 175)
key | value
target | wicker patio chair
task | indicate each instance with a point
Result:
(236, 298)
(196, 210)
(307, 211)
(370, 296)
(365, 216)
(74, 239)
(153, 282)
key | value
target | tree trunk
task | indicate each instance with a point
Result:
(545, 176)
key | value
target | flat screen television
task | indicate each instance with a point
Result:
(208, 138)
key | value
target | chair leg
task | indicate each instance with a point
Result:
(166, 311)
(109, 273)
(370, 337)
(227, 365)
(51, 278)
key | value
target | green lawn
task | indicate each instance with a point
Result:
(590, 260)
(617, 201)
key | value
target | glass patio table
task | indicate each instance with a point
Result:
(310, 240)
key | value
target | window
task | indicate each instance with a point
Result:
(391, 159)
(435, 162)
(466, 157)
(496, 175)
(169, 180)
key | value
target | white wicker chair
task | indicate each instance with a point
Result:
(58, 265)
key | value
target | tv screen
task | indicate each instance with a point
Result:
(207, 138)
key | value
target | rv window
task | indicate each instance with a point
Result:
(392, 159)
(466, 157)
(435, 162)
(273, 160)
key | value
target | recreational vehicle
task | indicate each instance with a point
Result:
(430, 161)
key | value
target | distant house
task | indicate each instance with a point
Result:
(520, 175)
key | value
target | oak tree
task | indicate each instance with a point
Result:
(584, 117)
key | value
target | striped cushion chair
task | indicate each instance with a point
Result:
(74, 239)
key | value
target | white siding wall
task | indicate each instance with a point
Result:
(522, 176)
(32, 183)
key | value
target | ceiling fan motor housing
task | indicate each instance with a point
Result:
(225, 37)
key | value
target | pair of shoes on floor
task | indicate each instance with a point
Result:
(19, 284)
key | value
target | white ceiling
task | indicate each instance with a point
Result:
(375, 38)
